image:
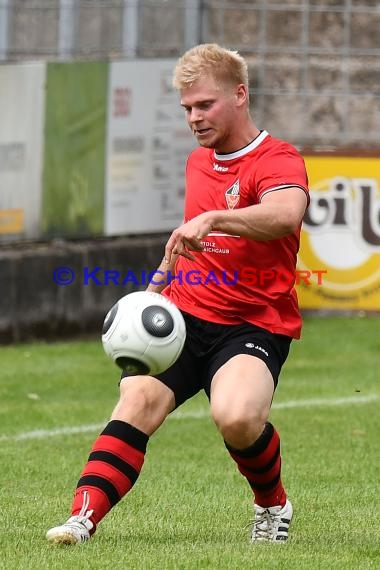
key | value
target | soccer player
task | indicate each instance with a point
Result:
(246, 194)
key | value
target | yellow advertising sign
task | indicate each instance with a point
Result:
(340, 241)
(11, 221)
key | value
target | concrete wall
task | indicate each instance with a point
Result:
(33, 305)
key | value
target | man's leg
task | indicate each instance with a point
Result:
(241, 395)
(117, 456)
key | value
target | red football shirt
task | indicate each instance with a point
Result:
(236, 279)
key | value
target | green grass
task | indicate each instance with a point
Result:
(190, 506)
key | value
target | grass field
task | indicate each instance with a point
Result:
(190, 506)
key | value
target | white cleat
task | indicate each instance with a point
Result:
(271, 524)
(75, 530)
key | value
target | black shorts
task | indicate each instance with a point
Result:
(210, 345)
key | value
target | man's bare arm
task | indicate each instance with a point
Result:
(278, 215)
(161, 275)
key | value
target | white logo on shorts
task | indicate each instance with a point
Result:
(257, 347)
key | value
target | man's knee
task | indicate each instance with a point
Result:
(144, 402)
(136, 393)
(240, 426)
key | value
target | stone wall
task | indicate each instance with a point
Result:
(33, 305)
(315, 67)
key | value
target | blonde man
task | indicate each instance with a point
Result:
(246, 194)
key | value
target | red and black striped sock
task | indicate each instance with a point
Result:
(261, 465)
(113, 466)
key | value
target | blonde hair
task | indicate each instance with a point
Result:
(227, 67)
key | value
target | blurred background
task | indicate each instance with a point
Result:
(93, 145)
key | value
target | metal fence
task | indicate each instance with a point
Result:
(314, 64)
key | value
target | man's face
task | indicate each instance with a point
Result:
(210, 113)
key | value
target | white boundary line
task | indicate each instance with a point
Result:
(193, 414)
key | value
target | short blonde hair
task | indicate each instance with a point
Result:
(227, 67)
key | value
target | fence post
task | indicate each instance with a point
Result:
(66, 28)
(130, 27)
(4, 25)
(192, 23)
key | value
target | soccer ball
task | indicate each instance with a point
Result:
(144, 333)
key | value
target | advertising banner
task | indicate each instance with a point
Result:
(74, 159)
(340, 242)
(147, 146)
(22, 96)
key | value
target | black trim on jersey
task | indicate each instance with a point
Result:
(238, 149)
(284, 187)
(244, 150)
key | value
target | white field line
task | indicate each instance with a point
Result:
(193, 414)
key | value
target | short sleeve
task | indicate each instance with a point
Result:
(282, 167)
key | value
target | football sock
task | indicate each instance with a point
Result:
(113, 466)
(261, 465)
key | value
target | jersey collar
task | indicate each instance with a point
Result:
(242, 151)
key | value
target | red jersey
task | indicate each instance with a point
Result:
(236, 279)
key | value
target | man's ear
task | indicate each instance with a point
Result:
(241, 94)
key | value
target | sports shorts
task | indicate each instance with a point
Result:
(210, 345)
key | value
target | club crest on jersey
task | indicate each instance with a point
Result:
(233, 195)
